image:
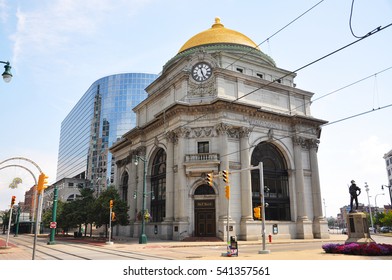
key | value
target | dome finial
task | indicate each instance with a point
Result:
(217, 23)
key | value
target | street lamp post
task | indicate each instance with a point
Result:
(370, 209)
(7, 76)
(143, 236)
(389, 188)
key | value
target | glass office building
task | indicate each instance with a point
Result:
(100, 117)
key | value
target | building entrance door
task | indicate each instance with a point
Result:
(205, 224)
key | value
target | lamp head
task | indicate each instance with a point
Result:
(135, 160)
(7, 76)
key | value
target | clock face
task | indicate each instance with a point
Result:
(201, 71)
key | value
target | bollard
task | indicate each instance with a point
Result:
(270, 238)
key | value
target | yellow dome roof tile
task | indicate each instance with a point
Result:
(218, 34)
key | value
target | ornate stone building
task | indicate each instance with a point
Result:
(222, 104)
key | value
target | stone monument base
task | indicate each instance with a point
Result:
(358, 228)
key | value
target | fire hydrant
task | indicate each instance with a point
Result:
(270, 238)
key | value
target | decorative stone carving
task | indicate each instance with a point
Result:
(171, 137)
(202, 89)
(300, 141)
(313, 143)
(182, 132)
(270, 134)
(141, 151)
(202, 132)
(245, 131)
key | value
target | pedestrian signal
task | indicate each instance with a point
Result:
(111, 203)
(113, 216)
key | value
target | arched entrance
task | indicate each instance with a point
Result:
(205, 222)
(275, 181)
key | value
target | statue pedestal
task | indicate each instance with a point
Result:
(358, 228)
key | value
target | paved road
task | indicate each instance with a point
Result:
(129, 249)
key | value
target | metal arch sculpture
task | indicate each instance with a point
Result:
(21, 166)
(23, 158)
(37, 220)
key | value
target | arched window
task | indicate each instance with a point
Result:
(204, 190)
(124, 186)
(275, 181)
(158, 186)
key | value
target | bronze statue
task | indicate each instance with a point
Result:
(354, 191)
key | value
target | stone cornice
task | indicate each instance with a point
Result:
(251, 113)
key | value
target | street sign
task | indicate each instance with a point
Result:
(53, 224)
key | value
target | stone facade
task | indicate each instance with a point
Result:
(246, 111)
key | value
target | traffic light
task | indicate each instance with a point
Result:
(13, 200)
(227, 192)
(210, 179)
(257, 212)
(113, 216)
(225, 175)
(42, 182)
(111, 203)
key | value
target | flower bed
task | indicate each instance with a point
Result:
(371, 249)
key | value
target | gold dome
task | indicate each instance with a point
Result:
(218, 34)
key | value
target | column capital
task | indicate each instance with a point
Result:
(245, 131)
(313, 143)
(299, 141)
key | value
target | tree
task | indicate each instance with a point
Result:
(102, 209)
(387, 219)
(378, 216)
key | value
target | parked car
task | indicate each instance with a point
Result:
(384, 229)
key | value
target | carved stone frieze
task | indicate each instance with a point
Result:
(182, 132)
(229, 130)
(202, 89)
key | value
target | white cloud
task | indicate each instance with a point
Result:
(59, 25)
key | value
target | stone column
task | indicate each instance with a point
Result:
(299, 178)
(133, 188)
(246, 185)
(180, 191)
(320, 226)
(224, 151)
(181, 219)
(304, 229)
(170, 139)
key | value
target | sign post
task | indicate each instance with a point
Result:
(262, 200)
(110, 222)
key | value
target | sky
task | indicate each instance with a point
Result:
(58, 48)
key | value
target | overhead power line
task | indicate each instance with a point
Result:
(281, 29)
